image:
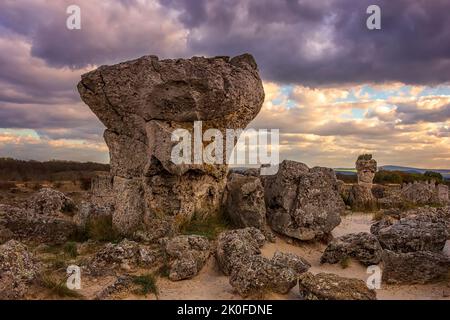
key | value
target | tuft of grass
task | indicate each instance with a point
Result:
(58, 286)
(208, 226)
(378, 215)
(101, 229)
(70, 249)
(345, 263)
(147, 284)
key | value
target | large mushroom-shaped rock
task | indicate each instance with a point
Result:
(18, 268)
(188, 254)
(421, 232)
(361, 246)
(142, 102)
(303, 203)
(415, 267)
(328, 286)
(235, 246)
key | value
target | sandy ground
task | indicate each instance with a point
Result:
(211, 284)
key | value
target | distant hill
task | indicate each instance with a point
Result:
(351, 171)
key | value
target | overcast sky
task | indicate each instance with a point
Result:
(334, 88)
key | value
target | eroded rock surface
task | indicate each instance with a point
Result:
(415, 267)
(303, 203)
(361, 246)
(18, 268)
(50, 202)
(141, 102)
(328, 286)
(188, 255)
(298, 264)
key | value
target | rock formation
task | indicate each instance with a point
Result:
(303, 203)
(141, 102)
(366, 168)
(360, 196)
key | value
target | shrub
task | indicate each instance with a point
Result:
(70, 248)
(345, 263)
(365, 156)
(147, 284)
(208, 226)
(57, 286)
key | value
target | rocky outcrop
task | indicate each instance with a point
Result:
(187, 254)
(362, 246)
(235, 246)
(415, 267)
(258, 275)
(327, 286)
(244, 201)
(142, 102)
(425, 192)
(124, 255)
(90, 213)
(18, 269)
(360, 196)
(303, 203)
(298, 264)
(419, 232)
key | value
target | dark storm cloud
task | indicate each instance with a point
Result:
(326, 42)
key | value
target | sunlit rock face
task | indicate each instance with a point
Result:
(141, 102)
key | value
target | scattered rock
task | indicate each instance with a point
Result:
(298, 264)
(234, 246)
(126, 255)
(258, 275)
(122, 283)
(303, 203)
(244, 201)
(26, 225)
(361, 246)
(422, 232)
(18, 268)
(51, 202)
(188, 255)
(415, 267)
(327, 286)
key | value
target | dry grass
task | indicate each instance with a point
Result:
(57, 286)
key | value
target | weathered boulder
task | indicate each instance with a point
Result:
(91, 212)
(18, 269)
(421, 232)
(361, 246)
(258, 275)
(125, 255)
(366, 167)
(327, 286)
(187, 254)
(50, 202)
(25, 225)
(425, 192)
(360, 197)
(244, 201)
(298, 264)
(234, 246)
(414, 267)
(142, 102)
(303, 203)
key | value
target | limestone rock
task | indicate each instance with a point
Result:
(26, 225)
(327, 286)
(414, 267)
(244, 201)
(298, 264)
(361, 197)
(303, 203)
(234, 246)
(50, 202)
(90, 212)
(259, 275)
(421, 232)
(18, 268)
(188, 255)
(361, 246)
(142, 102)
(366, 168)
(126, 254)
